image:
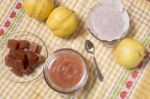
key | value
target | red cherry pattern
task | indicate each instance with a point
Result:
(134, 74)
(129, 84)
(13, 14)
(123, 94)
(7, 23)
(1, 32)
(18, 5)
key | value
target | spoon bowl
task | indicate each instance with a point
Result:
(89, 47)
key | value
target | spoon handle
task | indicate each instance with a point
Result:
(99, 73)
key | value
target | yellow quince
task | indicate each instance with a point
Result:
(62, 21)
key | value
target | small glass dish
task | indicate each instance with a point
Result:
(39, 68)
(48, 66)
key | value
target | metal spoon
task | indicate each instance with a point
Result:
(90, 49)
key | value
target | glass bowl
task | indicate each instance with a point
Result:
(49, 63)
(39, 68)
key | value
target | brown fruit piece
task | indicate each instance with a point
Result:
(13, 44)
(23, 44)
(9, 60)
(32, 59)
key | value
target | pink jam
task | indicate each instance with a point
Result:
(66, 70)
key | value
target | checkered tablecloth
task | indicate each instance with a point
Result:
(119, 83)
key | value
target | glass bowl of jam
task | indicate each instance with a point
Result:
(65, 71)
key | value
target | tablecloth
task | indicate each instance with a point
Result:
(119, 82)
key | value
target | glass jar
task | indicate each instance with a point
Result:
(61, 65)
